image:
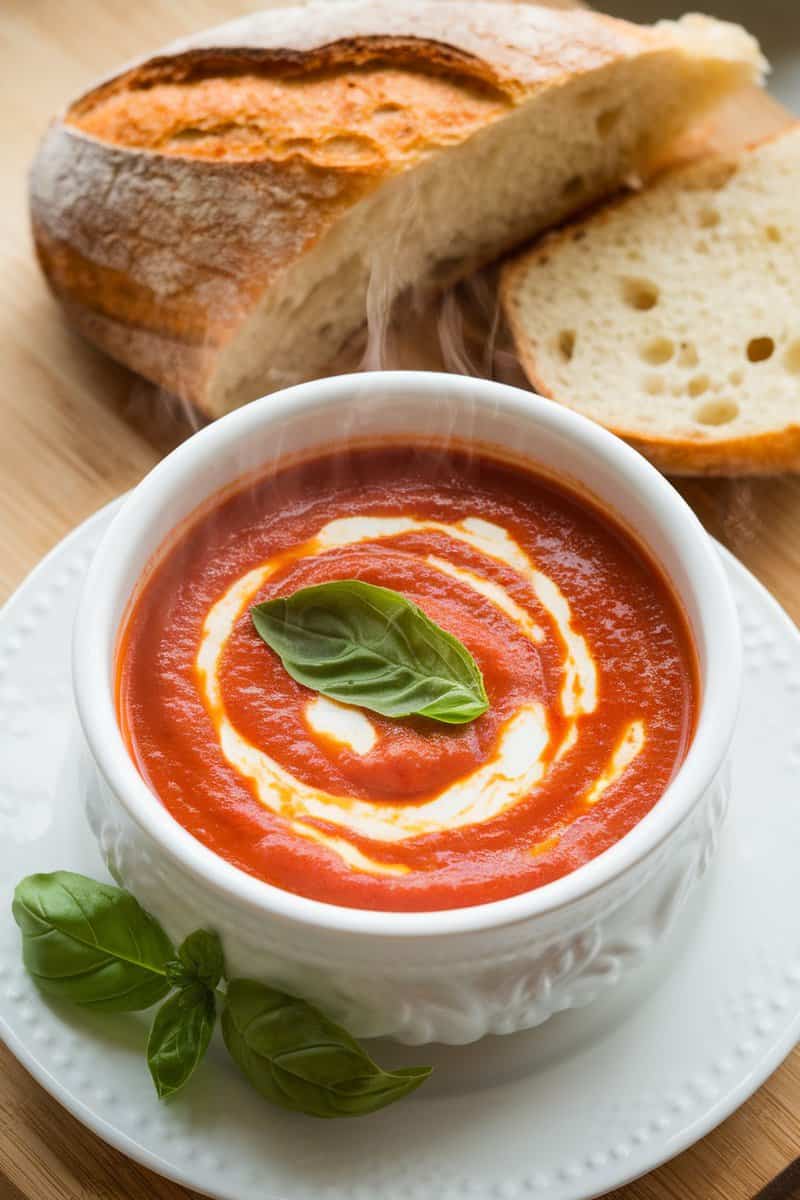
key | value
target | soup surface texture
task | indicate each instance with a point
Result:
(585, 655)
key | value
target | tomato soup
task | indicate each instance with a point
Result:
(586, 660)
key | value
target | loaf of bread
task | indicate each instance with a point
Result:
(673, 317)
(224, 216)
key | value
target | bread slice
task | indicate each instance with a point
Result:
(673, 317)
(222, 217)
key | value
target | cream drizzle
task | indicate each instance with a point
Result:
(341, 723)
(627, 749)
(519, 759)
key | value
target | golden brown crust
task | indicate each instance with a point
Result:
(372, 117)
(174, 252)
(106, 290)
(193, 66)
(178, 367)
(770, 453)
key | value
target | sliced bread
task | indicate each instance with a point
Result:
(673, 316)
(224, 216)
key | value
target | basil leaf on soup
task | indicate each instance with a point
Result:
(180, 1036)
(199, 960)
(90, 943)
(371, 647)
(296, 1058)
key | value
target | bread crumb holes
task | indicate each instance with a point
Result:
(759, 349)
(773, 234)
(657, 351)
(640, 294)
(698, 385)
(717, 412)
(566, 344)
(654, 385)
(688, 356)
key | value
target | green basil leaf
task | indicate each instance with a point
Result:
(297, 1058)
(179, 1037)
(199, 959)
(372, 647)
(91, 943)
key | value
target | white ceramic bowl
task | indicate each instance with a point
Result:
(453, 975)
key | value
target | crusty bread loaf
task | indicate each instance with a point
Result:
(221, 217)
(673, 317)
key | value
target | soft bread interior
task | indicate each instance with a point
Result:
(560, 150)
(675, 315)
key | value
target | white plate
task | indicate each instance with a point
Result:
(581, 1105)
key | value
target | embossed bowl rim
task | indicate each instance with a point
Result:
(96, 632)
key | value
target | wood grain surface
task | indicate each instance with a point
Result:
(76, 430)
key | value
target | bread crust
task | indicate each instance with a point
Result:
(160, 257)
(771, 452)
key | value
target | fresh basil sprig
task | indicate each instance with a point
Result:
(372, 647)
(93, 944)
(295, 1057)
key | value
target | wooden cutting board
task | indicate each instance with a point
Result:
(76, 430)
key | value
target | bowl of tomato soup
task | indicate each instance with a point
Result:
(418, 689)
